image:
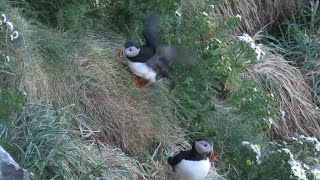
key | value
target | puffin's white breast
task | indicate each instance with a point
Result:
(142, 70)
(192, 170)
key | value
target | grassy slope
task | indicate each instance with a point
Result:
(77, 66)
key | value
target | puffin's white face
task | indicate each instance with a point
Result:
(131, 51)
(203, 147)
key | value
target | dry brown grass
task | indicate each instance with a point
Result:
(255, 13)
(130, 118)
(293, 95)
(122, 166)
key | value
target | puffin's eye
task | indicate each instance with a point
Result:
(205, 145)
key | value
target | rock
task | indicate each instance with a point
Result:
(9, 169)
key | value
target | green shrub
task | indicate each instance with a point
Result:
(61, 14)
(10, 102)
(298, 160)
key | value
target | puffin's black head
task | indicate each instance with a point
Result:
(130, 49)
(204, 146)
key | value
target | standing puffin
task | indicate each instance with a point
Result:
(193, 164)
(149, 62)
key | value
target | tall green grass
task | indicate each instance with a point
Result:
(298, 41)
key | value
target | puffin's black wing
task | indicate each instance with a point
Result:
(178, 158)
(165, 54)
(150, 31)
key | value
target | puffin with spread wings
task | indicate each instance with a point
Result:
(150, 61)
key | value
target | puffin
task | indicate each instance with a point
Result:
(149, 62)
(193, 164)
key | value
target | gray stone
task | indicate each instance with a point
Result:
(9, 169)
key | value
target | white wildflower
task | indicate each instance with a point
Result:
(258, 51)
(270, 121)
(306, 166)
(207, 48)
(255, 148)
(255, 89)
(178, 13)
(257, 48)
(14, 35)
(297, 170)
(283, 113)
(229, 68)
(272, 95)
(318, 146)
(212, 6)
(272, 143)
(294, 138)
(245, 37)
(288, 152)
(9, 25)
(205, 14)
(279, 150)
(238, 16)
(316, 173)
(313, 140)
(245, 143)
(3, 17)
(7, 58)
(218, 40)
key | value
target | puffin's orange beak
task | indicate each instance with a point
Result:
(119, 53)
(212, 157)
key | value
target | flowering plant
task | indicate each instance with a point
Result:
(298, 160)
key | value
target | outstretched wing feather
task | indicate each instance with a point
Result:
(150, 31)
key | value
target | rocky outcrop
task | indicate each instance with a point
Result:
(9, 169)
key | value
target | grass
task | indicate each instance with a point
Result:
(102, 93)
(115, 130)
(286, 83)
(256, 15)
(42, 141)
(298, 41)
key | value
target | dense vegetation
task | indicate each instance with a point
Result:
(69, 110)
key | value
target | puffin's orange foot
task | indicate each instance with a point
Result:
(140, 82)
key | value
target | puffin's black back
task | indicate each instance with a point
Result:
(146, 52)
(190, 155)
